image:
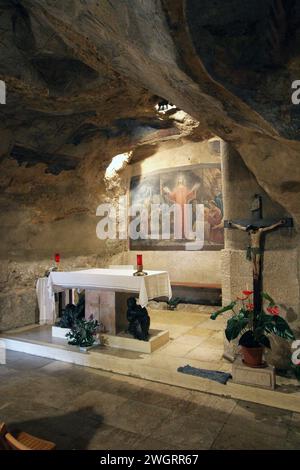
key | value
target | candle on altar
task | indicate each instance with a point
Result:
(139, 266)
(57, 257)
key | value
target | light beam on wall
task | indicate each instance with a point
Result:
(117, 164)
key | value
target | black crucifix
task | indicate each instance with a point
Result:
(256, 227)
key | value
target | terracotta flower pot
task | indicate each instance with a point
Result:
(253, 357)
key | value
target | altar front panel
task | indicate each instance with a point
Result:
(108, 308)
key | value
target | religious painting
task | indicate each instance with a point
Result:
(187, 188)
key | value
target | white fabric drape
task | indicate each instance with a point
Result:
(155, 284)
(46, 302)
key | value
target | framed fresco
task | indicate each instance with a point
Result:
(192, 185)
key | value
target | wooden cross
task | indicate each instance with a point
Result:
(256, 227)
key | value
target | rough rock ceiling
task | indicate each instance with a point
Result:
(80, 71)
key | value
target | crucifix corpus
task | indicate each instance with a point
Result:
(256, 227)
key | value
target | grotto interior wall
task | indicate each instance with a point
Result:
(42, 214)
(184, 266)
(80, 77)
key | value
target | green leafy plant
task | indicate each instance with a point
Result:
(72, 313)
(83, 332)
(254, 328)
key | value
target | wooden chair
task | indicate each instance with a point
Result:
(3, 432)
(23, 441)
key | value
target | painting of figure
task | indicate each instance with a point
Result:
(181, 195)
(186, 187)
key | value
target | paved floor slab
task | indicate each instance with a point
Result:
(82, 408)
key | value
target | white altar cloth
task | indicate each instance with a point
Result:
(45, 302)
(155, 284)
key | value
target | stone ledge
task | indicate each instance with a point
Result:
(157, 339)
(256, 377)
(58, 332)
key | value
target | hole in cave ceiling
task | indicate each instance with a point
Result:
(117, 164)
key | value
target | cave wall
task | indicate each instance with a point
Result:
(281, 257)
(79, 78)
(184, 266)
(42, 214)
(281, 279)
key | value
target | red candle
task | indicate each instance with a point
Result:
(57, 257)
(139, 260)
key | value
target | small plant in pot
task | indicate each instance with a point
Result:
(253, 328)
(83, 333)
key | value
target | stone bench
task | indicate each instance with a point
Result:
(198, 293)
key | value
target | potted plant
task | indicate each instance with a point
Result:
(83, 333)
(253, 328)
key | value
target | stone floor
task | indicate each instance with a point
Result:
(83, 408)
(194, 339)
(193, 336)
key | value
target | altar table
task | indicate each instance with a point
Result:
(102, 287)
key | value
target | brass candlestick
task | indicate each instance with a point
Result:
(140, 271)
